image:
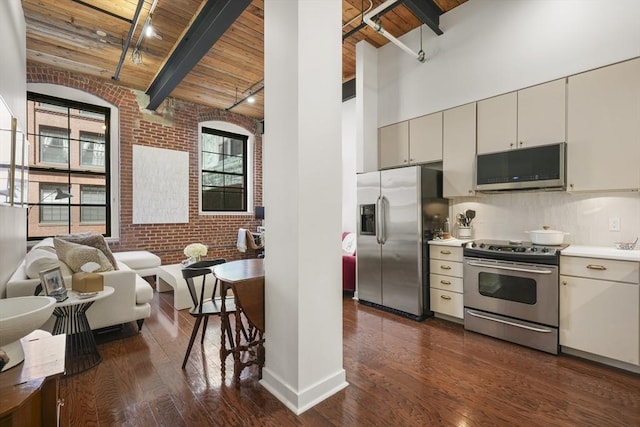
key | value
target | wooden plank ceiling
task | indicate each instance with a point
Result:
(87, 36)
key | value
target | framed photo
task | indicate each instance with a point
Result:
(52, 282)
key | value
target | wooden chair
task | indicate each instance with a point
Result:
(204, 307)
(256, 246)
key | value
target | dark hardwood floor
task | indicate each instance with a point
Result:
(400, 372)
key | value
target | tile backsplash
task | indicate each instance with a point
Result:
(585, 217)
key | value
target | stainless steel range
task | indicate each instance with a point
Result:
(511, 292)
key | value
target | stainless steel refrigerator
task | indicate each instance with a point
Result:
(399, 210)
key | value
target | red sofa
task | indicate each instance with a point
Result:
(348, 262)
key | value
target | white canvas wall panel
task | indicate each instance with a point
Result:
(160, 186)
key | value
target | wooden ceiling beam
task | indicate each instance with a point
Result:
(215, 17)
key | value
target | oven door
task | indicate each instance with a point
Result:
(522, 291)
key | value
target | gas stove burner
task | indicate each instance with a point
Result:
(513, 250)
(507, 248)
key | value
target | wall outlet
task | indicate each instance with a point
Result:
(614, 224)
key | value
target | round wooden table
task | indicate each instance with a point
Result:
(245, 278)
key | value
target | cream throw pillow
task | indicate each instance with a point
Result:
(94, 240)
(41, 259)
(349, 244)
(76, 255)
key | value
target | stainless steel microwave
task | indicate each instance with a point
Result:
(541, 167)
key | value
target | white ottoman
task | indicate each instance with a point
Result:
(170, 279)
(142, 262)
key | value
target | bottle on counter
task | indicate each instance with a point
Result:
(446, 229)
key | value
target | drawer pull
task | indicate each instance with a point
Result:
(445, 252)
(564, 283)
(596, 267)
(445, 267)
(447, 297)
(445, 282)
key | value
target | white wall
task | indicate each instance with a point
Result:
(13, 51)
(491, 47)
(349, 165)
(13, 85)
(13, 242)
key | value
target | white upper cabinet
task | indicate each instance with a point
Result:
(497, 123)
(411, 142)
(526, 118)
(459, 151)
(393, 145)
(425, 139)
(542, 114)
(603, 135)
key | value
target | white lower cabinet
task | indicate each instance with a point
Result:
(600, 307)
(445, 280)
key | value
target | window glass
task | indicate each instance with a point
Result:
(91, 149)
(93, 195)
(52, 209)
(54, 145)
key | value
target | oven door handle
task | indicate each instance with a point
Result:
(504, 267)
(506, 322)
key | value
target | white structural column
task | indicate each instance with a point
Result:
(302, 198)
(366, 107)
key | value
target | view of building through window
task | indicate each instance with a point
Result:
(68, 167)
(224, 171)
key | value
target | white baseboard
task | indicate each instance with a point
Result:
(300, 401)
(601, 359)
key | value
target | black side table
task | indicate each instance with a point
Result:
(71, 319)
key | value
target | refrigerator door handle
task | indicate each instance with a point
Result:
(377, 213)
(383, 219)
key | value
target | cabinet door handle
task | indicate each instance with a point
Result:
(445, 267)
(596, 267)
(404, 161)
(564, 283)
(445, 282)
(445, 252)
(447, 297)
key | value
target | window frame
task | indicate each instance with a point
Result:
(71, 103)
(229, 129)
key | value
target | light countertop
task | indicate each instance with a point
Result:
(450, 242)
(602, 252)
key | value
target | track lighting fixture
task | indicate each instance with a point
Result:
(148, 28)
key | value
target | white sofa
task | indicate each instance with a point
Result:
(129, 302)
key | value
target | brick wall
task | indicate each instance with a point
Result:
(219, 232)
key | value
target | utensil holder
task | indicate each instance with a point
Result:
(464, 232)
